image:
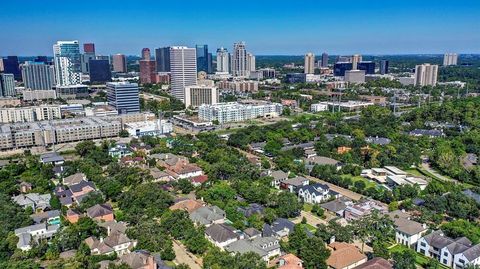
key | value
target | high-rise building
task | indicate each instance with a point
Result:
(340, 67)
(162, 59)
(123, 96)
(426, 75)
(223, 60)
(309, 63)
(147, 71)
(367, 66)
(183, 68)
(11, 66)
(89, 48)
(356, 58)
(251, 65)
(7, 85)
(198, 95)
(202, 58)
(450, 59)
(67, 63)
(239, 60)
(324, 60)
(119, 63)
(38, 76)
(210, 63)
(383, 67)
(146, 54)
(100, 71)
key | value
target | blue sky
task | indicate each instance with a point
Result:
(30, 27)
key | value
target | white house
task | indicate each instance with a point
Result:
(221, 235)
(34, 232)
(407, 232)
(316, 193)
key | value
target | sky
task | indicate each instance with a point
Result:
(31, 27)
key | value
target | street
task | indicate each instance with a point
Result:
(183, 256)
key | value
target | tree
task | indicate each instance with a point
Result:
(184, 185)
(85, 147)
(123, 133)
(404, 259)
(297, 239)
(314, 253)
(288, 205)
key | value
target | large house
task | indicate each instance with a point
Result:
(50, 217)
(221, 235)
(338, 205)
(33, 233)
(74, 193)
(208, 215)
(407, 232)
(177, 166)
(280, 228)
(316, 193)
(288, 261)
(265, 247)
(278, 177)
(454, 253)
(74, 179)
(115, 242)
(38, 202)
(293, 184)
(103, 212)
(52, 158)
(345, 256)
(364, 208)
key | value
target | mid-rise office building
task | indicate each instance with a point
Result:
(239, 60)
(11, 66)
(267, 73)
(384, 67)
(239, 85)
(147, 71)
(426, 75)
(7, 85)
(100, 71)
(450, 59)
(71, 91)
(198, 95)
(162, 59)
(183, 68)
(234, 112)
(309, 66)
(123, 96)
(324, 60)
(223, 60)
(367, 66)
(30, 114)
(356, 58)
(340, 67)
(119, 63)
(67, 61)
(88, 54)
(355, 76)
(251, 64)
(202, 58)
(29, 95)
(38, 75)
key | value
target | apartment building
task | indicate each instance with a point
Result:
(234, 112)
(29, 114)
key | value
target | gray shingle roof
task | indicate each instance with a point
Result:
(221, 232)
(207, 214)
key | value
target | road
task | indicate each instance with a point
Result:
(345, 192)
(311, 219)
(426, 165)
(183, 256)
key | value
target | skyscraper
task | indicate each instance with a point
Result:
(88, 54)
(100, 71)
(309, 63)
(210, 63)
(196, 95)
(162, 59)
(324, 60)
(367, 66)
(119, 63)
(202, 58)
(383, 67)
(146, 54)
(7, 85)
(123, 96)
(426, 75)
(251, 65)
(239, 60)
(183, 65)
(38, 75)
(450, 59)
(147, 71)
(356, 58)
(66, 55)
(89, 48)
(223, 60)
(11, 66)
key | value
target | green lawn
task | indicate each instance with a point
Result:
(307, 207)
(419, 259)
(368, 183)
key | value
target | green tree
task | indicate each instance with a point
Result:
(404, 259)
(288, 205)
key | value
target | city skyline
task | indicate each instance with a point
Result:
(410, 27)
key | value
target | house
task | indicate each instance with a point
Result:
(293, 184)
(50, 217)
(316, 193)
(188, 205)
(251, 233)
(208, 215)
(265, 247)
(363, 208)
(52, 158)
(407, 232)
(199, 180)
(337, 206)
(116, 241)
(160, 175)
(381, 141)
(308, 153)
(344, 256)
(25, 187)
(113, 226)
(278, 177)
(27, 235)
(73, 215)
(38, 202)
(141, 147)
(343, 150)
(133, 161)
(141, 259)
(74, 179)
(221, 235)
(425, 132)
(80, 190)
(257, 147)
(280, 227)
(399, 180)
(288, 261)
(454, 253)
(320, 160)
(470, 160)
(120, 150)
(103, 212)
(251, 209)
(376, 263)
(178, 166)
(254, 160)
(304, 146)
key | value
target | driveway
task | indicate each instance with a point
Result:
(428, 168)
(183, 256)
